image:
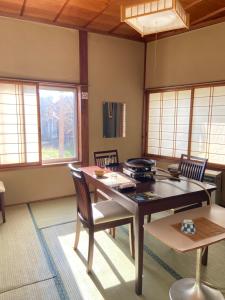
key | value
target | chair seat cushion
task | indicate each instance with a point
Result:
(109, 210)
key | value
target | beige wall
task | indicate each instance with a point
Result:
(194, 57)
(115, 74)
(38, 51)
(36, 184)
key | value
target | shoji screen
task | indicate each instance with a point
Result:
(208, 129)
(19, 141)
(168, 123)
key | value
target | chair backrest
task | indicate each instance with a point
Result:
(103, 158)
(192, 167)
(83, 195)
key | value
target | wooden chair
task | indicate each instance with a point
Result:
(103, 158)
(97, 216)
(108, 158)
(194, 168)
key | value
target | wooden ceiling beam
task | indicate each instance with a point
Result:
(23, 7)
(61, 10)
(59, 24)
(212, 14)
(192, 4)
(152, 38)
(98, 14)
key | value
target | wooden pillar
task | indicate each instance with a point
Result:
(84, 130)
(144, 108)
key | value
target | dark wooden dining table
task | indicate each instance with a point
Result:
(170, 194)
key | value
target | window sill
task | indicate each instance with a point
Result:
(171, 160)
(56, 164)
(38, 166)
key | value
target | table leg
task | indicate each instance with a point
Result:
(194, 289)
(198, 267)
(139, 241)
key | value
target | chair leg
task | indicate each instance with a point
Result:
(112, 232)
(149, 219)
(205, 256)
(131, 239)
(95, 196)
(77, 233)
(90, 250)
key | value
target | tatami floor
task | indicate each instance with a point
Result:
(37, 260)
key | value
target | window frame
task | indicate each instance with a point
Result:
(191, 87)
(79, 117)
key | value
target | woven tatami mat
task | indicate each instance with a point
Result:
(22, 260)
(51, 212)
(45, 290)
(63, 210)
(113, 268)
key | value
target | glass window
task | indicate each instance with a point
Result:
(58, 123)
(31, 133)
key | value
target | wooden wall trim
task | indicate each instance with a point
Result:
(44, 82)
(83, 111)
(83, 52)
(184, 86)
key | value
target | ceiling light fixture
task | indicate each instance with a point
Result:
(150, 17)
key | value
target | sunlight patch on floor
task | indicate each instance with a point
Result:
(110, 264)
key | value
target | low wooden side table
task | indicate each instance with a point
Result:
(168, 231)
(2, 200)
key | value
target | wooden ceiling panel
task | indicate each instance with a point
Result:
(92, 6)
(11, 6)
(187, 4)
(113, 9)
(104, 22)
(124, 29)
(45, 9)
(79, 13)
(205, 8)
(109, 19)
(104, 15)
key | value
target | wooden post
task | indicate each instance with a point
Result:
(84, 128)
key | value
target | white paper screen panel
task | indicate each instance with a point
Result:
(208, 131)
(168, 123)
(18, 123)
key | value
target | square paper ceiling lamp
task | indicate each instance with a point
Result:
(150, 17)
